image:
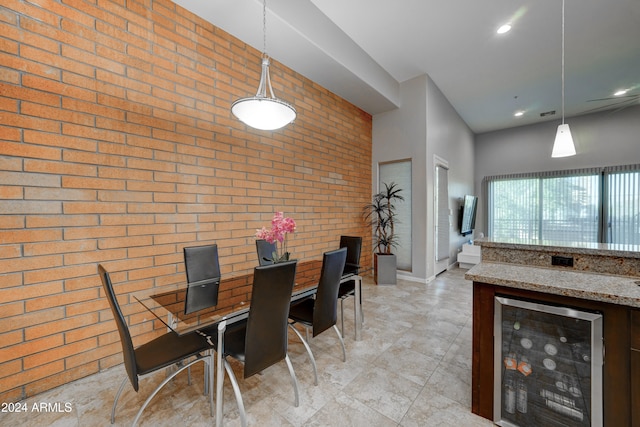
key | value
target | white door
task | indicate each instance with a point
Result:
(441, 219)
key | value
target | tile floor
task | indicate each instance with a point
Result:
(412, 368)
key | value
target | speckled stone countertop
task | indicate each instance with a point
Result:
(584, 248)
(619, 290)
(600, 272)
(619, 260)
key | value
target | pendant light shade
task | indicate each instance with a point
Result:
(563, 145)
(264, 111)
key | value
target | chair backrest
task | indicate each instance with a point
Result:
(354, 247)
(265, 251)
(128, 352)
(266, 337)
(203, 277)
(325, 309)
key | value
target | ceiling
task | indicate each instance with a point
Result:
(362, 50)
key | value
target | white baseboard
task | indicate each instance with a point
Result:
(413, 279)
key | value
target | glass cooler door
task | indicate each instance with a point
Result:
(548, 365)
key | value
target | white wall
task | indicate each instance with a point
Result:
(426, 125)
(602, 139)
(401, 134)
(449, 138)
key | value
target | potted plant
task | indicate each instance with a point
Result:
(381, 214)
(280, 227)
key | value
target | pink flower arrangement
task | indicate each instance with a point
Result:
(280, 227)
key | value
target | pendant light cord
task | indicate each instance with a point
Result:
(562, 61)
(264, 28)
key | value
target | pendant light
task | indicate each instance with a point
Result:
(563, 145)
(264, 111)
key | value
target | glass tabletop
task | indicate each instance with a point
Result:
(167, 303)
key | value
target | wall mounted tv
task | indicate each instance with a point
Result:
(467, 215)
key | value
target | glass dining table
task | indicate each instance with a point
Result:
(167, 304)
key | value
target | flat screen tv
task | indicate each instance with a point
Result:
(468, 214)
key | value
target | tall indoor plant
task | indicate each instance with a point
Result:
(382, 216)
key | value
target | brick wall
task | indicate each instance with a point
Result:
(117, 146)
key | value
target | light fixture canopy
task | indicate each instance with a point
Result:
(563, 145)
(264, 111)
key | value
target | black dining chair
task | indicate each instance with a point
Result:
(351, 267)
(265, 251)
(261, 340)
(167, 350)
(202, 267)
(321, 313)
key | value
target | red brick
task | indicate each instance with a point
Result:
(104, 91)
(22, 64)
(124, 242)
(68, 12)
(72, 233)
(93, 133)
(54, 327)
(119, 148)
(38, 373)
(24, 150)
(30, 347)
(44, 221)
(92, 183)
(11, 368)
(118, 37)
(103, 12)
(59, 273)
(15, 319)
(57, 379)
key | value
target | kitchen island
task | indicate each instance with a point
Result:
(591, 278)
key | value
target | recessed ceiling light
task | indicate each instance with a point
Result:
(519, 113)
(504, 29)
(620, 92)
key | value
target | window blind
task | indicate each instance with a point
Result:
(558, 205)
(622, 219)
(582, 205)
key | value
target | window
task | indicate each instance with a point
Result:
(623, 202)
(587, 205)
(400, 173)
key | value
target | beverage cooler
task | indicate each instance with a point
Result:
(548, 365)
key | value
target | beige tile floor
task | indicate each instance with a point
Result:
(411, 368)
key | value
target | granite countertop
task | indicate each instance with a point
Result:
(585, 248)
(621, 290)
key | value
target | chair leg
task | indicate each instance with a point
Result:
(306, 345)
(361, 309)
(355, 317)
(294, 381)
(206, 379)
(162, 384)
(342, 315)
(115, 401)
(344, 352)
(236, 391)
(209, 362)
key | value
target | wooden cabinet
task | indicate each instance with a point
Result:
(620, 385)
(635, 367)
